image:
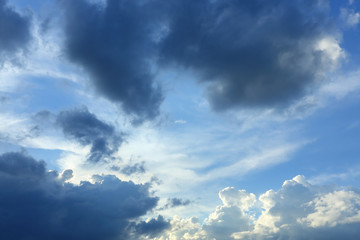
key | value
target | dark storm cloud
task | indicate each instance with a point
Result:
(14, 32)
(253, 52)
(153, 227)
(36, 204)
(87, 129)
(114, 43)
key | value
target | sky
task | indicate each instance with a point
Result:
(179, 120)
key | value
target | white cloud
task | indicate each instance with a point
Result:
(349, 17)
(184, 229)
(326, 178)
(240, 198)
(180, 121)
(338, 207)
(330, 46)
(297, 211)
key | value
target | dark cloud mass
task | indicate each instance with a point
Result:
(87, 129)
(14, 32)
(153, 227)
(253, 53)
(114, 44)
(36, 204)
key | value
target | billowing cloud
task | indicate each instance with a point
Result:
(37, 204)
(250, 53)
(113, 42)
(253, 53)
(87, 129)
(297, 211)
(14, 32)
(152, 227)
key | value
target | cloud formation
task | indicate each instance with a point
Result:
(87, 129)
(297, 211)
(113, 43)
(249, 53)
(14, 32)
(253, 53)
(37, 204)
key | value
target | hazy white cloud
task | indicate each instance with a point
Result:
(349, 17)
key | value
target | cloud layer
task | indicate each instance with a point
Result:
(37, 204)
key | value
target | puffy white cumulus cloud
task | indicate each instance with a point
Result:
(240, 198)
(298, 210)
(184, 229)
(339, 207)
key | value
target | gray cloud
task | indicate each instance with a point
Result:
(249, 53)
(175, 202)
(153, 227)
(130, 169)
(114, 44)
(87, 129)
(14, 32)
(36, 204)
(253, 53)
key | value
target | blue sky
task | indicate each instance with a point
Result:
(180, 119)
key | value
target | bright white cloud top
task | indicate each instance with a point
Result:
(171, 120)
(298, 210)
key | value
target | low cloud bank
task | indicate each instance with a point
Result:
(297, 211)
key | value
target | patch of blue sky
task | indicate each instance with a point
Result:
(49, 156)
(337, 139)
(47, 93)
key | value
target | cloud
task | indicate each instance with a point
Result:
(253, 53)
(349, 17)
(113, 42)
(39, 204)
(152, 227)
(131, 169)
(249, 53)
(87, 129)
(297, 211)
(185, 229)
(14, 32)
(175, 202)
